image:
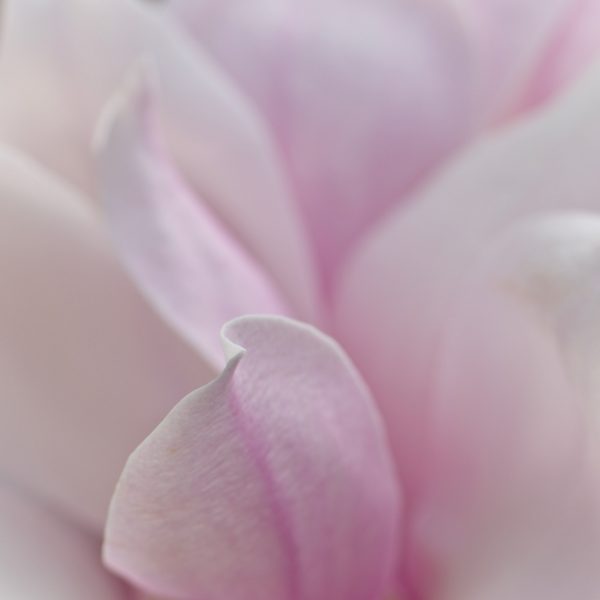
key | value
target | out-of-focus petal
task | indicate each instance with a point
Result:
(62, 60)
(364, 97)
(45, 557)
(511, 504)
(191, 269)
(527, 49)
(401, 285)
(575, 45)
(86, 367)
(274, 481)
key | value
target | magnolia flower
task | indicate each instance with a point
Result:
(365, 234)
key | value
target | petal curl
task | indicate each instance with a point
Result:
(86, 369)
(189, 266)
(274, 481)
(45, 557)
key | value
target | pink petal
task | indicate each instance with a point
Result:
(62, 60)
(510, 508)
(190, 268)
(274, 481)
(401, 285)
(528, 49)
(364, 98)
(574, 47)
(45, 557)
(87, 369)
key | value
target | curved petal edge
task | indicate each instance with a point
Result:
(273, 481)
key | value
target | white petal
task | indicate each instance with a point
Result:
(86, 369)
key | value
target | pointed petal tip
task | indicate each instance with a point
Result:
(128, 106)
(186, 262)
(253, 469)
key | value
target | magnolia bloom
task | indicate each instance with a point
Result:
(365, 234)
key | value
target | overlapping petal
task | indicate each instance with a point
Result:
(193, 271)
(61, 61)
(86, 369)
(407, 275)
(364, 98)
(510, 508)
(274, 481)
(45, 557)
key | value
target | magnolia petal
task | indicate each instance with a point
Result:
(44, 557)
(407, 274)
(86, 369)
(526, 49)
(364, 98)
(575, 45)
(61, 61)
(511, 505)
(274, 481)
(190, 268)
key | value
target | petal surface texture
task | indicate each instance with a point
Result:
(511, 506)
(402, 284)
(274, 481)
(45, 557)
(188, 265)
(87, 370)
(363, 98)
(61, 62)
